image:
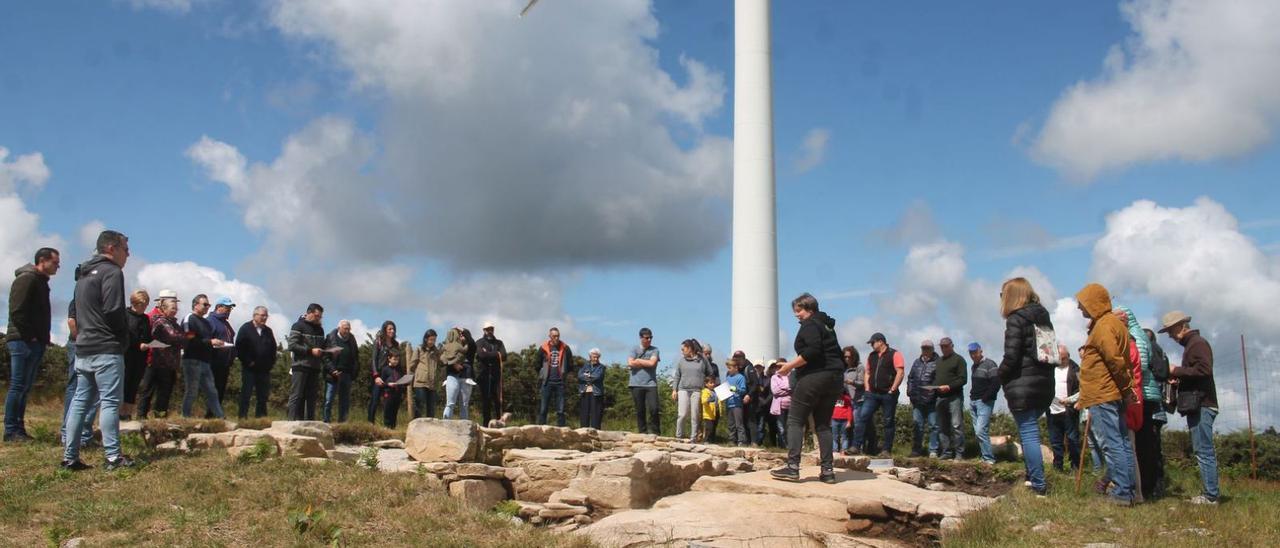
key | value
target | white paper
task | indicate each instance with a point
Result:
(404, 380)
(723, 391)
(333, 349)
(469, 382)
(157, 344)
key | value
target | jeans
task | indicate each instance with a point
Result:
(737, 425)
(457, 399)
(646, 400)
(489, 379)
(304, 387)
(1064, 426)
(687, 411)
(375, 400)
(157, 383)
(550, 391)
(197, 377)
(591, 410)
(99, 378)
(254, 382)
(70, 396)
(424, 402)
(924, 417)
(981, 411)
(24, 361)
(337, 389)
(1028, 422)
(813, 395)
(391, 407)
(779, 428)
(1095, 450)
(839, 427)
(872, 401)
(1200, 424)
(758, 424)
(951, 425)
(1107, 421)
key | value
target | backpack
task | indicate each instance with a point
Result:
(1159, 364)
(1046, 345)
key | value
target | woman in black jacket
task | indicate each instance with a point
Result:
(383, 345)
(1027, 381)
(135, 354)
(818, 369)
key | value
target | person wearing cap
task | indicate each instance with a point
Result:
(884, 374)
(256, 348)
(197, 374)
(984, 388)
(162, 370)
(1106, 387)
(1026, 370)
(30, 323)
(340, 371)
(643, 364)
(306, 343)
(924, 418)
(951, 377)
(1197, 398)
(135, 351)
(223, 356)
(591, 391)
(490, 355)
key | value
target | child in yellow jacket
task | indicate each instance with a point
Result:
(710, 406)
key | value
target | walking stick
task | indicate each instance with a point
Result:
(1084, 448)
(501, 373)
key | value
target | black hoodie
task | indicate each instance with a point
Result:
(29, 314)
(816, 342)
(100, 308)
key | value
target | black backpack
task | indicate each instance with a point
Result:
(1159, 363)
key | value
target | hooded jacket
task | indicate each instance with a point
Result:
(30, 316)
(257, 352)
(100, 315)
(816, 342)
(424, 363)
(303, 337)
(1104, 361)
(1027, 382)
(454, 353)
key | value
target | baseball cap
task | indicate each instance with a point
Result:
(487, 325)
(974, 347)
(877, 337)
(226, 301)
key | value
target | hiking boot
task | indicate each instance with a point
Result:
(17, 437)
(1201, 499)
(73, 465)
(117, 463)
(827, 476)
(1120, 502)
(785, 473)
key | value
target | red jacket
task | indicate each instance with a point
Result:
(843, 410)
(1133, 412)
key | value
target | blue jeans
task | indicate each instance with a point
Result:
(1113, 437)
(924, 417)
(197, 377)
(887, 403)
(1201, 426)
(981, 412)
(24, 361)
(1028, 422)
(838, 429)
(552, 390)
(341, 390)
(70, 396)
(457, 399)
(99, 377)
(781, 421)
(950, 420)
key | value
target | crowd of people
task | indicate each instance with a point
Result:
(125, 360)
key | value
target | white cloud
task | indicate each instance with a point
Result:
(1196, 81)
(21, 236)
(916, 225)
(813, 149)
(189, 279)
(89, 234)
(172, 6)
(27, 168)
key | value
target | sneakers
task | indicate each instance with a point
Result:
(1040, 493)
(1201, 499)
(117, 463)
(74, 465)
(786, 473)
(827, 476)
(933, 455)
(1100, 486)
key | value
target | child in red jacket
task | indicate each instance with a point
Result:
(840, 418)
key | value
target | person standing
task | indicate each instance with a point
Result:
(854, 373)
(882, 378)
(30, 323)
(951, 377)
(710, 407)
(761, 399)
(780, 385)
(69, 394)
(1106, 386)
(686, 388)
(555, 359)
(306, 345)
(256, 348)
(197, 376)
(734, 403)
(1025, 372)
(984, 388)
(924, 401)
(383, 345)
(135, 351)
(392, 392)
(220, 363)
(340, 371)
(1154, 412)
(591, 391)
(819, 372)
(453, 355)
(1063, 419)
(100, 345)
(710, 435)
(643, 364)
(1197, 398)
(161, 373)
(490, 355)
(425, 365)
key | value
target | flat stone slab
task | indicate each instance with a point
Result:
(853, 489)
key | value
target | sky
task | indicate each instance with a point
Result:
(444, 163)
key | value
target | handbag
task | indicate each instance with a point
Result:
(1188, 401)
(1046, 345)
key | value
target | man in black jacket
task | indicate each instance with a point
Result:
(104, 332)
(1063, 419)
(30, 319)
(883, 377)
(306, 345)
(340, 370)
(490, 354)
(554, 360)
(197, 373)
(256, 348)
(984, 386)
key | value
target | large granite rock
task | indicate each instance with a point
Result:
(436, 440)
(322, 432)
(478, 494)
(292, 445)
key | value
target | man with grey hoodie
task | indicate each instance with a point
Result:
(103, 334)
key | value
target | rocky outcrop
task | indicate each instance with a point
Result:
(478, 494)
(312, 429)
(435, 440)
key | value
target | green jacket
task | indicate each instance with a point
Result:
(952, 371)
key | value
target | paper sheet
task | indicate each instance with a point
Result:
(404, 380)
(723, 391)
(157, 344)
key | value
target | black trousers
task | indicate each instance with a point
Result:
(134, 368)
(156, 382)
(221, 367)
(391, 406)
(254, 382)
(590, 410)
(1147, 449)
(814, 395)
(424, 403)
(375, 399)
(489, 382)
(304, 389)
(646, 400)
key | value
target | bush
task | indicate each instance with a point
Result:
(360, 433)
(1232, 450)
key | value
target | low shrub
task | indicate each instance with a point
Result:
(360, 433)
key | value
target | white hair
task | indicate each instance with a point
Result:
(340, 322)
(257, 309)
(595, 351)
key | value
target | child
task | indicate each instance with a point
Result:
(840, 418)
(392, 393)
(733, 404)
(780, 385)
(710, 408)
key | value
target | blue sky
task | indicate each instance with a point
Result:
(572, 168)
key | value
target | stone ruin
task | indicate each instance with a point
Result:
(625, 489)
